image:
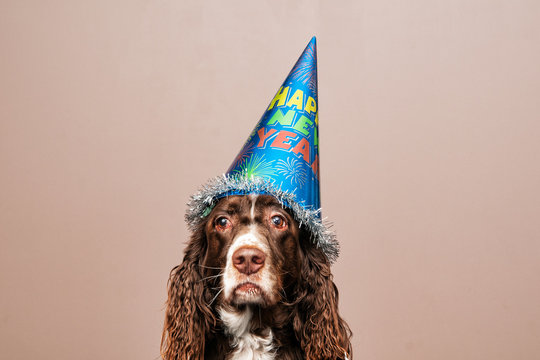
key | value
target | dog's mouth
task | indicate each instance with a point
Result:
(248, 288)
(248, 292)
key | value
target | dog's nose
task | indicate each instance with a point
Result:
(248, 260)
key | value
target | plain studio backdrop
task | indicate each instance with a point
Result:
(112, 113)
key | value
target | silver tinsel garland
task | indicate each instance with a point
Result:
(207, 197)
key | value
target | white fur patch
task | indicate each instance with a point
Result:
(247, 346)
(253, 198)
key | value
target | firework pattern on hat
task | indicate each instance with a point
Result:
(292, 170)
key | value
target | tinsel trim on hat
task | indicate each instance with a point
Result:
(206, 198)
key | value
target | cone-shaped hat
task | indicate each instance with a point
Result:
(280, 157)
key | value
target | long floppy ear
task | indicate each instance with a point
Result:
(323, 334)
(188, 318)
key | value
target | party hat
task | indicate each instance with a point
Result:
(280, 157)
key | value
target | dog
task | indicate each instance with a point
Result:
(252, 285)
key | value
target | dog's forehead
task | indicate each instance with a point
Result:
(265, 201)
(244, 203)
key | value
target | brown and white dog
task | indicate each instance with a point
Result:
(252, 285)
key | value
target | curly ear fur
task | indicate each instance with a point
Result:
(322, 333)
(188, 318)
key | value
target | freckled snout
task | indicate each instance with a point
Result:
(248, 260)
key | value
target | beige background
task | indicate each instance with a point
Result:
(113, 112)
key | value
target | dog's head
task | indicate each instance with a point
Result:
(250, 251)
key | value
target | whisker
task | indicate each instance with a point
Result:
(284, 293)
(211, 267)
(284, 273)
(215, 297)
(211, 277)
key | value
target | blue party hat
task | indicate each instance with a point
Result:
(280, 156)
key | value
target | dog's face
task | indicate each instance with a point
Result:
(253, 249)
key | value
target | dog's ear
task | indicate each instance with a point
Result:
(322, 333)
(188, 317)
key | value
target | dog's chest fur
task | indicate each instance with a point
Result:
(246, 345)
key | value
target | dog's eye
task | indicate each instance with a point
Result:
(279, 221)
(222, 223)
